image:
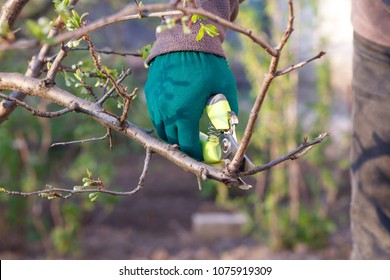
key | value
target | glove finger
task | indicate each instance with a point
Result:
(171, 133)
(157, 120)
(160, 129)
(189, 142)
(232, 98)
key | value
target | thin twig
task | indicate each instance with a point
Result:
(52, 72)
(289, 28)
(126, 106)
(299, 65)
(142, 178)
(60, 192)
(105, 136)
(21, 44)
(298, 152)
(98, 64)
(103, 51)
(38, 113)
(110, 137)
(122, 76)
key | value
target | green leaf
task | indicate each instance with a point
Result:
(211, 30)
(161, 28)
(76, 17)
(62, 8)
(93, 196)
(200, 34)
(49, 196)
(186, 29)
(171, 22)
(44, 195)
(82, 17)
(35, 29)
(2, 190)
(89, 173)
(196, 17)
(145, 51)
(83, 90)
(68, 80)
(79, 75)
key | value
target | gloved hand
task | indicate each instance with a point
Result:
(177, 89)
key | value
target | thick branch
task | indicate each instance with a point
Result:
(9, 13)
(34, 87)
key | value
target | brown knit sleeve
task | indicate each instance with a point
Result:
(234, 7)
(173, 40)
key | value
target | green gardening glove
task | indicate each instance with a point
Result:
(177, 90)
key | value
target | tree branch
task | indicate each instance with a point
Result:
(9, 13)
(269, 77)
(122, 76)
(299, 65)
(52, 72)
(36, 112)
(106, 51)
(34, 87)
(298, 152)
(34, 68)
(105, 136)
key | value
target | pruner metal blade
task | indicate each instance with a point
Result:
(229, 148)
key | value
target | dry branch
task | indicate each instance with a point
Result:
(298, 152)
(105, 136)
(36, 112)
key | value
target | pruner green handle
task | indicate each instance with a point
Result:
(218, 110)
(221, 143)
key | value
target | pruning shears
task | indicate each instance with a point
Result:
(221, 142)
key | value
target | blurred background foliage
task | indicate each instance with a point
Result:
(293, 204)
